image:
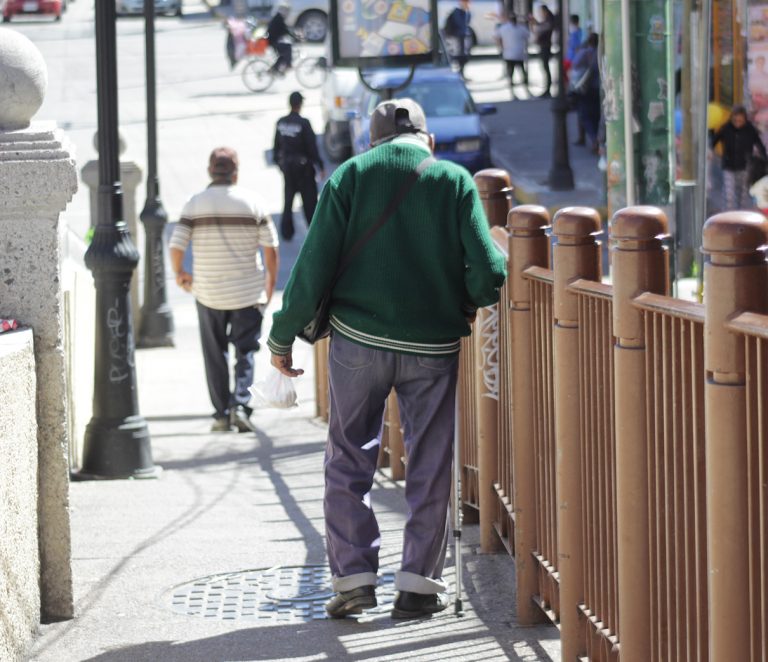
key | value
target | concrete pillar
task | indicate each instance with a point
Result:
(37, 180)
(130, 178)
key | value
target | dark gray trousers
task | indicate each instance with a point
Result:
(219, 329)
(361, 379)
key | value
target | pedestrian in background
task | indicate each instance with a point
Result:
(457, 27)
(397, 313)
(234, 274)
(295, 152)
(740, 140)
(280, 36)
(513, 40)
(575, 36)
(584, 88)
(542, 31)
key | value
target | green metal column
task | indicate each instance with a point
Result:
(613, 106)
(654, 36)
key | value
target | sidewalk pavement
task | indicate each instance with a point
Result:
(522, 143)
(222, 558)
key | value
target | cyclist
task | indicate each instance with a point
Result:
(279, 36)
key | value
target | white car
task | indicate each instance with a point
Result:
(171, 7)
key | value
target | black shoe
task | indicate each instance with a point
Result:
(416, 605)
(346, 603)
(221, 424)
(240, 418)
(286, 229)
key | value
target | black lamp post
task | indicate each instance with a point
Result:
(560, 174)
(156, 328)
(117, 443)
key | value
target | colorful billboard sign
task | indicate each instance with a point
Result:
(377, 33)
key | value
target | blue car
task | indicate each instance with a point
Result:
(452, 115)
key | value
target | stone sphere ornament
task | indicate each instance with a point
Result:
(23, 80)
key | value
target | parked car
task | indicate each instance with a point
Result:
(309, 16)
(16, 7)
(452, 115)
(169, 7)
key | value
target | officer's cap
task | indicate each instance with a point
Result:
(396, 117)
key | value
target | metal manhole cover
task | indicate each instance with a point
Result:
(284, 593)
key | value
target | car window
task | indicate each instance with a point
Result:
(437, 98)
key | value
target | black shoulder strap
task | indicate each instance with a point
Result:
(390, 209)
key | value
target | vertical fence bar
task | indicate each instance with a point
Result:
(735, 279)
(640, 264)
(576, 255)
(528, 246)
(496, 194)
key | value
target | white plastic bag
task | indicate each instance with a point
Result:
(275, 391)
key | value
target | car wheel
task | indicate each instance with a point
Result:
(336, 148)
(6, 19)
(314, 25)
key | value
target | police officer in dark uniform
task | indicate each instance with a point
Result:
(295, 152)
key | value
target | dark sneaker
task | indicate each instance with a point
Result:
(240, 419)
(221, 424)
(351, 602)
(416, 605)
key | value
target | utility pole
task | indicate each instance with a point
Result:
(655, 141)
(614, 90)
(117, 443)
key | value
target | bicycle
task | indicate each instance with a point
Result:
(260, 72)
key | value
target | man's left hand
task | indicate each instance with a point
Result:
(284, 364)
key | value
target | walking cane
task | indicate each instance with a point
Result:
(458, 608)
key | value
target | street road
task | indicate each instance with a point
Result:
(201, 103)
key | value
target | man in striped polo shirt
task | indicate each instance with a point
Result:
(235, 268)
(398, 312)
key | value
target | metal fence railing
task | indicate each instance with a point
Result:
(615, 440)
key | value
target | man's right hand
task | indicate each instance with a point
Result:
(184, 281)
(284, 364)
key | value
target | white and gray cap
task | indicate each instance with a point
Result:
(396, 117)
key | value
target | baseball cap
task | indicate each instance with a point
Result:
(296, 98)
(395, 117)
(222, 162)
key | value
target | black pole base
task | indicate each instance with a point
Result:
(561, 179)
(117, 448)
(156, 328)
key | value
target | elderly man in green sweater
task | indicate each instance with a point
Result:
(397, 314)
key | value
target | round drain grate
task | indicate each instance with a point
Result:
(283, 594)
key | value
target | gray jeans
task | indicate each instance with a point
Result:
(361, 379)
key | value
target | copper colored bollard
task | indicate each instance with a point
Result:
(395, 437)
(496, 191)
(528, 246)
(640, 264)
(735, 280)
(496, 195)
(576, 256)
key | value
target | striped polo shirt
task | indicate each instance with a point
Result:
(227, 225)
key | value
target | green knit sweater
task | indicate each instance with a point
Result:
(409, 288)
